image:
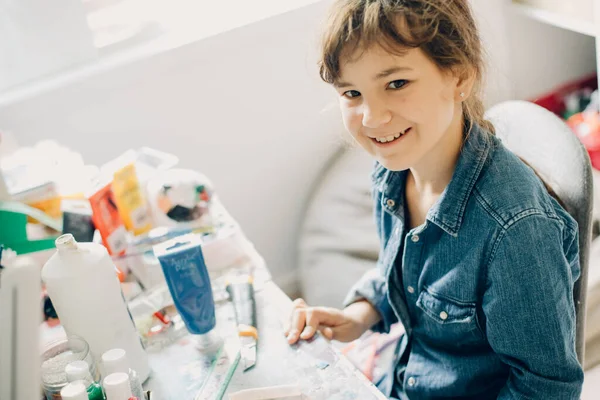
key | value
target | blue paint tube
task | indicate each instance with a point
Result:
(183, 264)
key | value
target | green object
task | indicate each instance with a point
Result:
(13, 227)
(95, 392)
(227, 377)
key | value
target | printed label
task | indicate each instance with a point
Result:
(117, 241)
(140, 217)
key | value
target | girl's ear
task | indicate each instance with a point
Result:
(464, 86)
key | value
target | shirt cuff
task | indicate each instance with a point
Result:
(373, 288)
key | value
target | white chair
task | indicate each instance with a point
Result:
(547, 144)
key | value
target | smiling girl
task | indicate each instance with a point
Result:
(478, 261)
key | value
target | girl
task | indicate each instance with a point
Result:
(477, 260)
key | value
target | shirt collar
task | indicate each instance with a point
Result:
(448, 211)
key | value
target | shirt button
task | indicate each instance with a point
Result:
(410, 289)
(391, 203)
(414, 238)
(444, 315)
(411, 381)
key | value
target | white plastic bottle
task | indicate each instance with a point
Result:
(115, 360)
(116, 387)
(81, 282)
(74, 391)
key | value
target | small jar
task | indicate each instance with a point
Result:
(55, 358)
(115, 361)
(79, 371)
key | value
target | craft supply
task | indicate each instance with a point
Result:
(108, 221)
(77, 219)
(182, 372)
(80, 371)
(115, 360)
(74, 391)
(224, 367)
(16, 233)
(180, 197)
(241, 293)
(189, 283)
(117, 386)
(221, 250)
(148, 162)
(81, 282)
(286, 392)
(55, 358)
(19, 326)
(130, 200)
(42, 195)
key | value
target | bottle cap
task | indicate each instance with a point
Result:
(115, 360)
(78, 371)
(74, 391)
(66, 242)
(117, 386)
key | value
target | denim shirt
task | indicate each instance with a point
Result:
(484, 288)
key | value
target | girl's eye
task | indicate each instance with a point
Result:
(351, 94)
(398, 84)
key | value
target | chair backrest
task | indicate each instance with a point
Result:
(549, 146)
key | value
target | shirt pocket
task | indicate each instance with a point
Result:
(447, 321)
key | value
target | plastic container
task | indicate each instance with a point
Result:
(117, 386)
(74, 391)
(181, 198)
(114, 361)
(85, 292)
(55, 358)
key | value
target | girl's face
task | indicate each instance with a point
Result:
(399, 108)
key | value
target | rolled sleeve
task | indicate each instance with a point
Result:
(372, 287)
(529, 309)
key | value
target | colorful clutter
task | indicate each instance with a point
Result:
(577, 102)
(586, 126)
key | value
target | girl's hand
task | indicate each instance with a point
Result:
(342, 325)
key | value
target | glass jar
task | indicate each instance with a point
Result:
(56, 356)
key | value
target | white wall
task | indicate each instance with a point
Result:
(528, 58)
(245, 108)
(55, 34)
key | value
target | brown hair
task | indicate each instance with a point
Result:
(444, 30)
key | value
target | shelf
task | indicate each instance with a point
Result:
(556, 19)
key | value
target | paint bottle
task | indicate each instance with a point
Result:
(189, 283)
(115, 360)
(86, 294)
(117, 386)
(74, 391)
(80, 371)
